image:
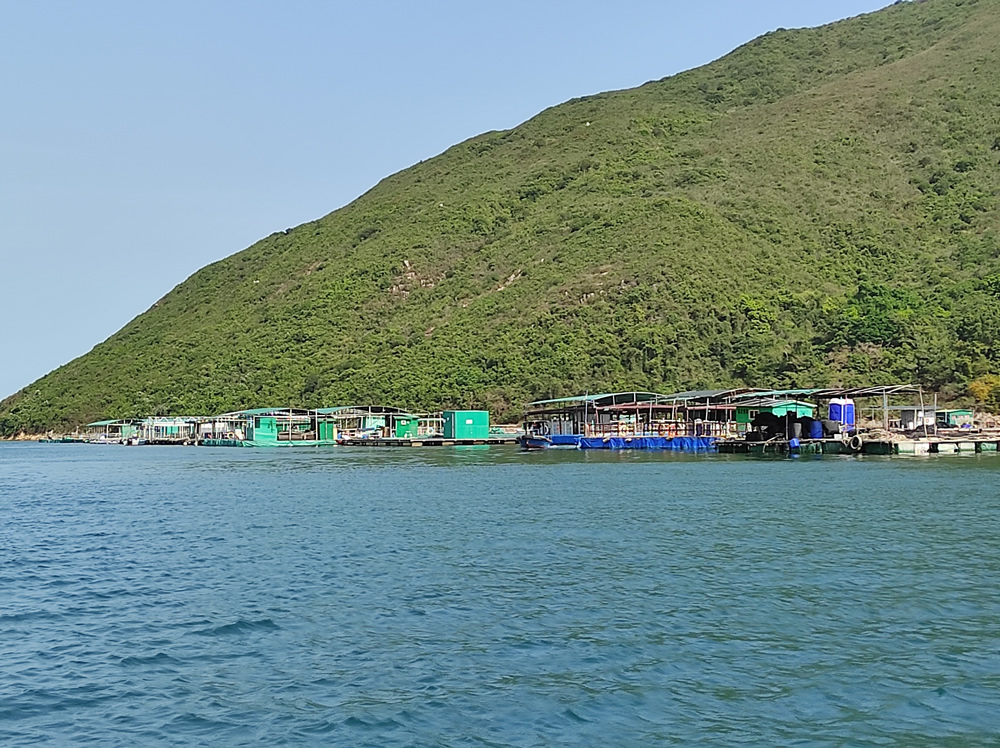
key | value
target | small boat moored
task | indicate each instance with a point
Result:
(530, 442)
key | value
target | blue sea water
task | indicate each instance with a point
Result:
(485, 597)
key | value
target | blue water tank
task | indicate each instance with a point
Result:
(816, 430)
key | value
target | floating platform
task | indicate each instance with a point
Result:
(428, 442)
(660, 443)
(565, 440)
(805, 446)
(862, 447)
(377, 442)
(266, 444)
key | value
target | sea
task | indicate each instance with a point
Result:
(483, 596)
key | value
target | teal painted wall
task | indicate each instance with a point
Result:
(406, 428)
(466, 424)
(799, 409)
(954, 418)
(265, 430)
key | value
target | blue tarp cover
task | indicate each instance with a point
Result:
(677, 443)
(563, 440)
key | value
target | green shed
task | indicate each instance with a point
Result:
(327, 431)
(264, 430)
(406, 427)
(466, 424)
(954, 419)
(747, 410)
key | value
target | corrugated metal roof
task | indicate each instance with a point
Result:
(611, 400)
(173, 419)
(605, 401)
(770, 402)
(704, 394)
(614, 397)
(263, 412)
(376, 410)
(826, 393)
(574, 399)
(777, 393)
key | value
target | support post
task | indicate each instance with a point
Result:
(923, 413)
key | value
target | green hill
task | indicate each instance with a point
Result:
(819, 207)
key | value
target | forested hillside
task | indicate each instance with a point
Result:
(819, 207)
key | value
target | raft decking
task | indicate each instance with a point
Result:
(428, 442)
(669, 444)
(867, 447)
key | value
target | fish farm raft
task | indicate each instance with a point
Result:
(883, 420)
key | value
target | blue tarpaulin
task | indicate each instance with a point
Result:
(676, 444)
(565, 440)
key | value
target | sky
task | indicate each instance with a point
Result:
(141, 141)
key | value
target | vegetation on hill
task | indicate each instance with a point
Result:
(819, 207)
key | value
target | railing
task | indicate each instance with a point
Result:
(296, 436)
(666, 430)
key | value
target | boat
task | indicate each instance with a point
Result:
(531, 442)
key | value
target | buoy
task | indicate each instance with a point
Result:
(856, 443)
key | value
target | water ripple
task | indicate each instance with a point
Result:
(239, 627)
(489, 598)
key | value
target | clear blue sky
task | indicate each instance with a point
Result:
(141, 141)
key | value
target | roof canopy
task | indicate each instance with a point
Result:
(610, 398)
(608, 401)
(364, 410)
(173, 419)
(707, 395)
(632, 400)
(771, 402)
(703, 398)
(264, 412)
(834, 392)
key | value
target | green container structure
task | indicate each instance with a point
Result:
(953, 419)
(406, 427)
(327, 431)
(265, 430)
(466, 424)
